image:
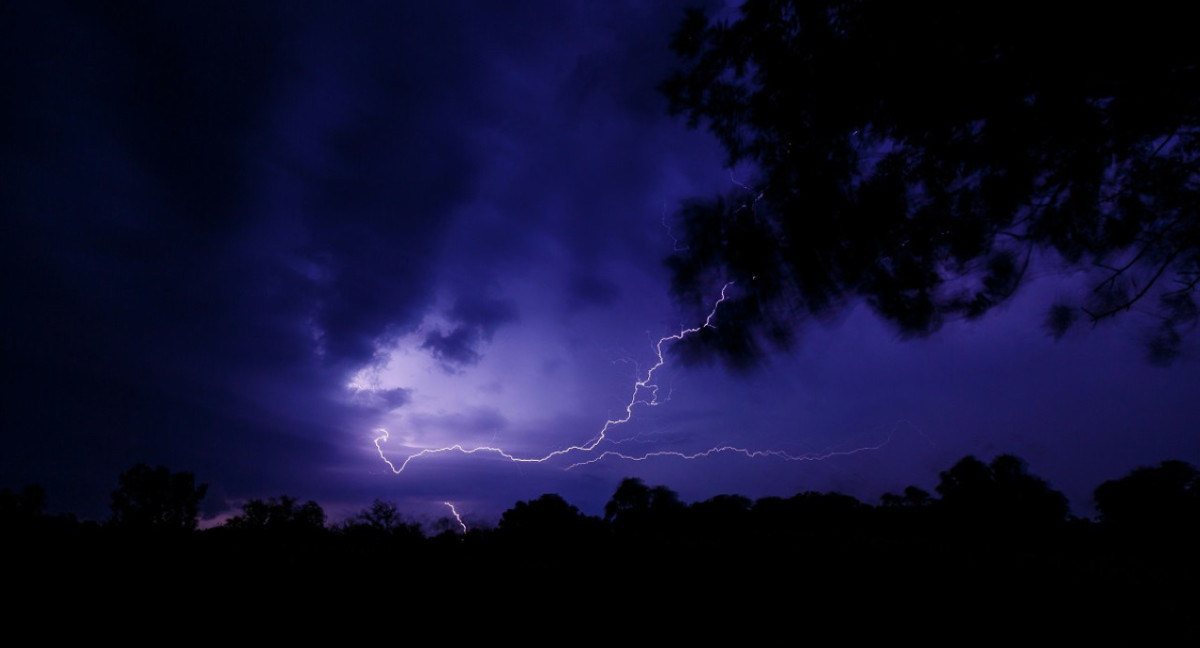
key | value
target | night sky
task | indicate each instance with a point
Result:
(239, 239)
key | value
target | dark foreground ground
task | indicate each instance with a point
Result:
(1080, 578)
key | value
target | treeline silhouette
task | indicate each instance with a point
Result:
(993, 537)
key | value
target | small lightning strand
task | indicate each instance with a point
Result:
(454, 512)
(643, 385)
(751, 454)
(757, 196)
(674, 241)
(738, 182)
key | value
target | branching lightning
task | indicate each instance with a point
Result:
(646, 393)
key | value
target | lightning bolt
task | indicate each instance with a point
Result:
(645, 392)
(454, 512)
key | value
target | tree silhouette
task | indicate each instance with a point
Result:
(632, 495)
(24, 506)
(913, 498)
(923, 157)
(548, 514)
(381, 521)
(381, 516)
(999, 494)
(720, 519)
(1162, 496)
(283, 514)
(548, 526)
(156, 498)
(636, 509)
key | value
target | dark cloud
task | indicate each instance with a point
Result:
(382, 400)
(473, 323)
(485, 315)
(213, 215)
(396, 397)
(454, 349)
(180, 192)
(587, 290)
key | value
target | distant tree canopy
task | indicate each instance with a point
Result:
(913, 498)
(548, 511)
(548, 524)
(156, 498)
(920, 156)
(381, 518)
(638, 508)
(1000, 493)
(1166, 495)
(283, 514)
(28, 504)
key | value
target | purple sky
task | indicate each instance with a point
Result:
(240, 238)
